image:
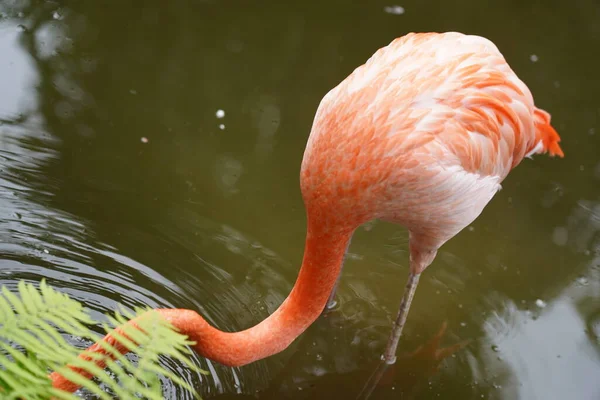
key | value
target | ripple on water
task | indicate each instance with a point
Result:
(39, 242)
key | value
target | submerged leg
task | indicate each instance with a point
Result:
(331, 302)
(411, 286)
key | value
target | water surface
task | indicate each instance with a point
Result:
(120, 184)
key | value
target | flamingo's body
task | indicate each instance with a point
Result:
(421, 135)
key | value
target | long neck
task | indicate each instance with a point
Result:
(323, 257)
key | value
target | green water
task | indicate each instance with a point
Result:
(210, 217)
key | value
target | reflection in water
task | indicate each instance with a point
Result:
(211, 219)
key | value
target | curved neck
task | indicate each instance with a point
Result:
(323, 257)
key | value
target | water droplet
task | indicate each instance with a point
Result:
(56, 15)
(540, 303)
(319, 357)
(222, 127)
(534, 58)
(396, 10)
(582, 280)
(144, 139)
(463, 324)
(495, 348)
(471, 228)
(220, 113)
(460, 306)
(46, 251)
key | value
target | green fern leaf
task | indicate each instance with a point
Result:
(33, 326)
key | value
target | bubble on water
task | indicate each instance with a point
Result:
(319, 357)
(222, 126)
(471, 228)
(534, 58)
(133, 91)
(56, 15)
(556, 84)
(46, 251)
(495, 348)
(463, 324)
(220, 113)
(144, 139)
(396, 10)
(591, 131)
(582, 280)
(540, 303)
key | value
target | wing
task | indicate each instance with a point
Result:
(450, 95)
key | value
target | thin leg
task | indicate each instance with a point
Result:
(331, 302)
(390, 350)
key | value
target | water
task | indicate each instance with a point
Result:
(150, 156)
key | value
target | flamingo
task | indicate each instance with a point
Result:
(421, 135)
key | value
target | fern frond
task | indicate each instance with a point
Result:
(33, 326)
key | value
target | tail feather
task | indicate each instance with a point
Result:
(546, 133)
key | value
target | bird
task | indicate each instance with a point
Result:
(421, 135)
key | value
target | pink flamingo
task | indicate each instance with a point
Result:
(421, 135)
